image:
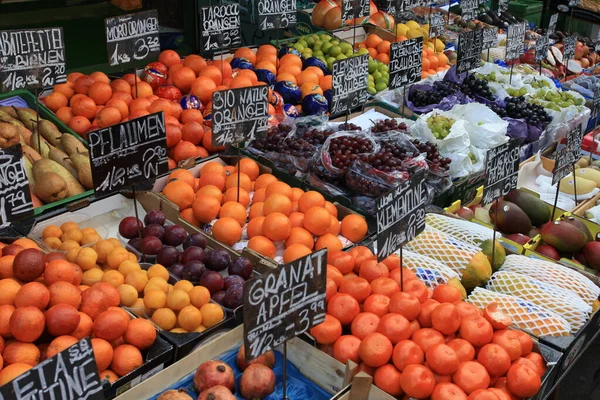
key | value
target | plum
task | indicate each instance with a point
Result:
(193, 253)
(158, 231)
(193, 270)
(134, 243)
(150, 245)
(234, 296)
(129, 227)
(218, 260)
(219, 296)
(177, 270)
(212, 280)
(257, 382)
(267, 359)
(213, 373)
(155, 217)
(197, 239)
(241, 266)
(167, 256)
(231, 280)
(175, 235)
(12, 250)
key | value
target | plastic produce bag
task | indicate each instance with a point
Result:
(486, 129)
(457, 139)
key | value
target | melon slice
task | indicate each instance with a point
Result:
(574, 66)
(550, 58)
(557, 54)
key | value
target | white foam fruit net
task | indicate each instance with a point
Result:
(445, 248)
(461, 229)
(554, 274)
(563, 302)
(525, 315)
(431, 272)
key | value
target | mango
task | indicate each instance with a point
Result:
(538, 211)
(563, 236)
(579, 224)
(487, 248)
(510, 218)
(589, 174)
(591, 252)
(477, 273)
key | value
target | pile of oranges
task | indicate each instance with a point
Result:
(60, 304)
(419, 342)
(278, 220)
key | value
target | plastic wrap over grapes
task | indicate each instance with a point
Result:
(341, 149)
(388, 125)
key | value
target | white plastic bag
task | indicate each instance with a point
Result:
(457, 139)
(486, 129)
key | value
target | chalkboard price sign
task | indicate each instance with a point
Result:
(469, 9)
(393, 7)
(239, 114)
(71, 374)
(15, 197)
(568, 155)
(349, 83)
(220, 27)
(32, 58)
(470, 45)
(437, 21)
(573, 3)
(400, 215)
(596, 104)
(405, 62)
(515, 41)
(501, 170)
(355, 9)
(569, 47)
(542, 45)
(552, 24)
(502, 6)
(132, 37)
(408, 5)
(285, 303)
(276, 14)
(128, 153)
(490, 38)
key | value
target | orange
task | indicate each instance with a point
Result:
(8, 291)
(467, 310)
(387, 378)
(307, 77)
(18, 352)
(427, 337)
(346, 348)
(256, 210)
(360, 254)
(395, 327)
(328, 331)
(234, 210)
(526, 343)
(103, 353)
(55, 101)
(263, 181)
(330, 289)
(290, 69)
(203, 88)
(213, 72)
(344, 307)
(212, 314)
(539, 362)
(231, 194)
(268, 65)
(248, 74)
(65, 89)
(354, 227)
(12, 371)
(330, 242)
(357, 287)
(317, 221)
(212, 191)
(310, 199)
(446, 318)
(286, 76)
(417, 381)
(326, 82)
(405, 304)
(378, 304)
(442, 359)
(195, 62)
(255, 226)
(173, 134)
(277, 202)
(33, 294)
(244, 181)
(448, 391)
(119, 105)
(405, 353)
(248, 167)
(100, 92)
(433, 61)
(227, 230)
(373, 40)
(509, 341)
(334, 274)
(262, 245)
(300, 236)
(470, 376)
(108, 116)
(84, 107)
(179, 193)
(291, 59)
(384, 47)
(82, 84)
(427, 308)
(213, 178)
(382, 57)
(295, 252)
(183, 175)
(27, 324)
(463, 349)
(246, 53)
(59, 344)
(494, 358)
(496, 317)
(191, 115)
(277, 187)
(417, 288)
(371, 270)
(142, 89)
(343, 261)
(183, 78)
(477, 331)
(126, 358)
(385, 286)
(277, 227)
(443, 59)
(446, 294)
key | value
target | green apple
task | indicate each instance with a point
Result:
(346, 47)
(334, 51)
(380, 86)
(362, 51)
(372, 66)
(299, 47)
(341, 57)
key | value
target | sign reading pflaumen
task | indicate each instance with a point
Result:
(128, 153)
(132, 37)
(239, 114)
(220, 27)
(405, 62)
(400, 215)
(71, 374)
(15, 197)
(285, 303)
(276, 14)
(32, 58)
(469, 51)
(349, 86)
(501, 170)
(515, 40)
(568, 155)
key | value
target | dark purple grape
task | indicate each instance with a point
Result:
(211, 280)
(155, 217)
(134, 243)
(218, 260)
(167, 256)
(158, 231)
(193, 253)
(219, 296)
(196, 239)
(234, 297)
(193, 270)
(233, 280)
(129, 227)
(150, 245)
(175, 235)
(241, 266)
(177, 270)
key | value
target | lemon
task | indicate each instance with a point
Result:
(413, 25)
(414, 33)
(402, 29)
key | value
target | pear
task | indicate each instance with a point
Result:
(39, 144)
(28, 117)
(10, 111)
(6, 117)
(73, 186)
(84, 169)
(49, 185)
(50, 132)
(63, 159)
(9, 135)
(71, 145)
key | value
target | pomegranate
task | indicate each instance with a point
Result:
(267, 359)
(175, 395)
(213, 373)
(257, 382)
(217, 393)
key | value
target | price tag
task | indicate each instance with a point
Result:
(408, 5)
(355, 9)
(501, 170)
(542, 45)
(437, 21)
(470, 46)
(568, 155)
(490, 38)
(220, 27)
(469, 9)
(285, 303)
(400, 215)
(274, 14)
(405, 62)
(569, 47)
(552, 24)
(71, 374)
(132, 37)
(596, 104)
(128, 153)
(502, 6)
(15, 197)
(349, 84)
(239, 114)
(32, 58)
(515, 40)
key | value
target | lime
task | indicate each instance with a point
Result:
(299, 47)
(370, 78)
(317, 53)
(372, 66)
(349, 53)
(346, 47)
(334, 51)
(325, 47)
(363, 51)
(334, 42)
(303, 42)
(371, 90)
(382, 68)
(341, 57)
(325, 37)
(330, 62)
(380, 86)
(317, 45)
(377, 75)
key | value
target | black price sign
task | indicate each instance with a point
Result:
(437, 21)
(276, 14)
(469, 9)
(128, 153)
(501, 170)
(32, 58)
(569, 47)
(490, 38)
(132, 37)
(393, 7)
(568, 155)
(470, 46)
(573, 3)
(552, 24)
(349, 83)
(542, 45)
(285, 303)
(515, 40)
(355, 9)
(502, 6)
(400, 215)
(405, 62)
(15, 197)
(407, 5)
(239, 114)
(71, 374)
(596, 104)
(220, 27)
